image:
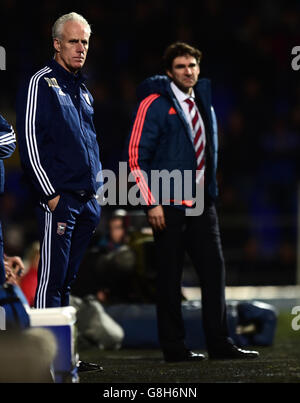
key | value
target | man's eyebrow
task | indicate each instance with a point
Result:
(180, 66)
(77, 40)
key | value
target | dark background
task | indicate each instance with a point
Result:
(246, 49)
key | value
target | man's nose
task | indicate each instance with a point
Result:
(188, 71)
(80, 48)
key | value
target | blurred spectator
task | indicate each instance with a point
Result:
(117, 233)
(14, 268)
(27, 356)
(28, 282)
(108, 269)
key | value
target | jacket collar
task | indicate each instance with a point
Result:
(162, 84)
(71, 78)
(180, 95)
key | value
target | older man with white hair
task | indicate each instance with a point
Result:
(60, 158)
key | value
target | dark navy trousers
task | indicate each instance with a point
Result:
(65, 234)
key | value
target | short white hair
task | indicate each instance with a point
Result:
(59, 23)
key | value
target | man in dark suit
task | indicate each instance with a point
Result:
(175, 129)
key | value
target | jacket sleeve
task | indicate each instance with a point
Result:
(7, 139)
(33, 113)
(142, 145)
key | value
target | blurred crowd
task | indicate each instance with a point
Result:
(247, 54)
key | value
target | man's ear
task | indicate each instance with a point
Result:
(56, 44)
(169, 74)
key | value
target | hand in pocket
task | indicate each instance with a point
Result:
(53, 203)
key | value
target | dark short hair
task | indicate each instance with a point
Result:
(180, 49)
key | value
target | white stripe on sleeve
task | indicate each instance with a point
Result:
(30, 133)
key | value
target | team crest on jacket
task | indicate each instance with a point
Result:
(61, 228)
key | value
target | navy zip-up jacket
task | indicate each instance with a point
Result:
(7, 147)
(161, 138)
(56, 134)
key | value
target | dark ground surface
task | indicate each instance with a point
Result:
(279, 363)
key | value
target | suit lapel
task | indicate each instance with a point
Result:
(181, 114)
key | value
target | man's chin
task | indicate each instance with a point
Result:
(184, 88)
(79, 65)
(76, 66)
